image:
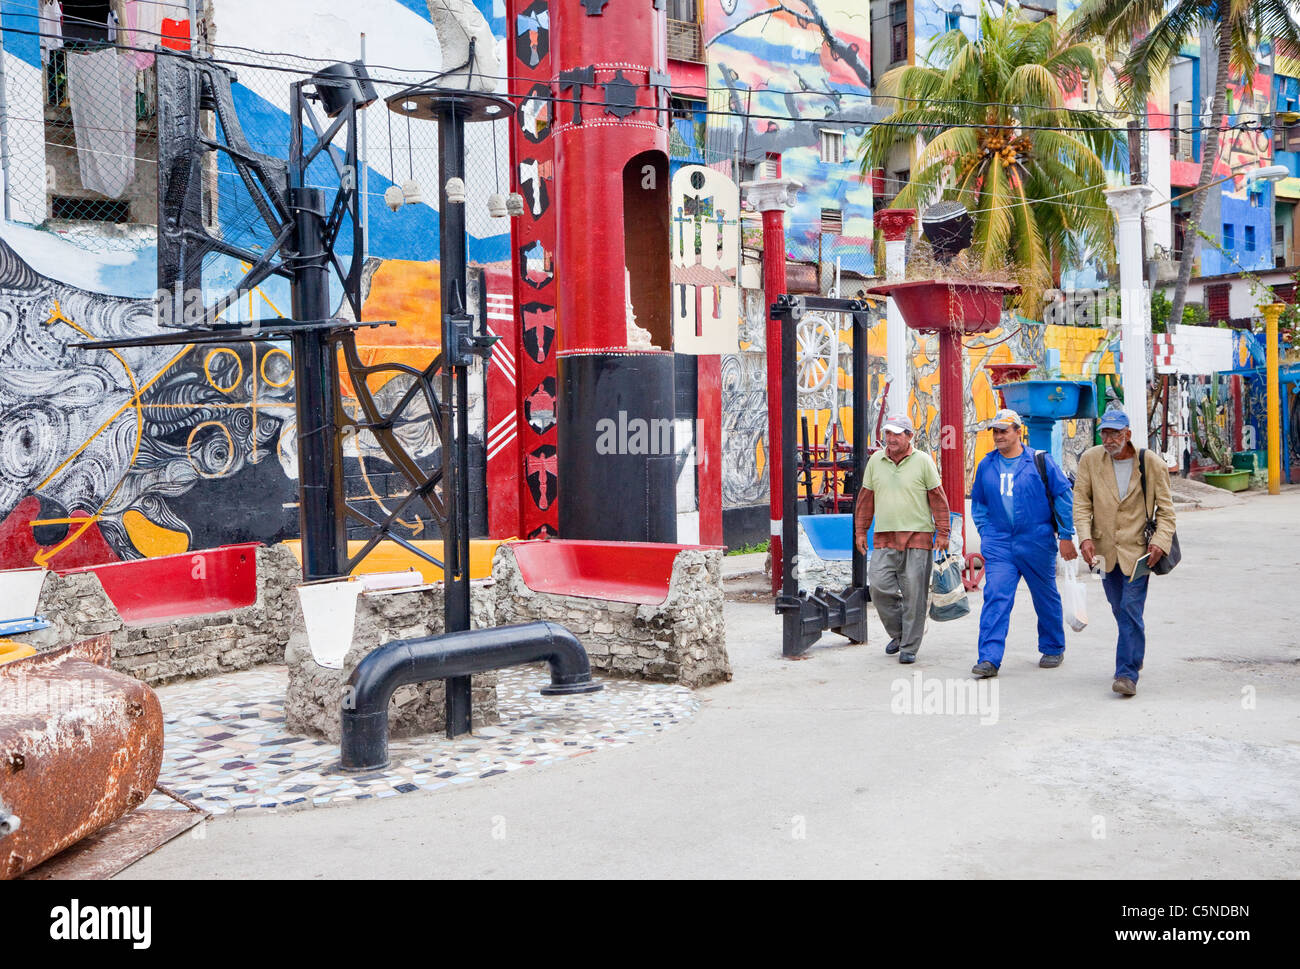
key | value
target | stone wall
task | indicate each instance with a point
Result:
(812, 570)
(315, 694)
(681, 640)
(162, 652)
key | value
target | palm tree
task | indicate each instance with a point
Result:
(1000, 140)
(1236, 26)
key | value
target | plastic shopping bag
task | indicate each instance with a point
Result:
(947, 593)
(1074, 597)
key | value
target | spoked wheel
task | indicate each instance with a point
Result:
(819, 345)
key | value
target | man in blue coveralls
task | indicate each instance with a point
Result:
(1020, 523)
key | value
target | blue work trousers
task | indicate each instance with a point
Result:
(1127, 601)
(1003, 569)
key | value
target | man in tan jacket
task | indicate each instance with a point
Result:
(1110, 516)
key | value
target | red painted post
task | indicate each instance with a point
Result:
(709, 445)
(536, 290)
(772, 197)
(952, 421)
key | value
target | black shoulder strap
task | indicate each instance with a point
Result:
(1040, 459)
(1142, 469)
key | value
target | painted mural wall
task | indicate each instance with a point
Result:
(108, 455)
(807, 59)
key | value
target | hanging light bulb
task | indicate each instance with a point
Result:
(411, 193)
(515, 205)
(455, 190)
(393, 197)
(497, 206)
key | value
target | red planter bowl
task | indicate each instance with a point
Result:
(935, 305)
(1004, 373)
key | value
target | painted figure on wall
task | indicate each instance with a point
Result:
(796, 78)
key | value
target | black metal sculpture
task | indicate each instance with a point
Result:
(304, 233)
(805, 616)
(304, 237)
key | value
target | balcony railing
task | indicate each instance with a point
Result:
(685, 41)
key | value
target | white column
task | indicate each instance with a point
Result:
(894, 224)
(1128, 204)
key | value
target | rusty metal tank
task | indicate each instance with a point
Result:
(80, 746)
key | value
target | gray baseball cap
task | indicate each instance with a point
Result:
(899, 424)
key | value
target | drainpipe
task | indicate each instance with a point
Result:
(364, 745)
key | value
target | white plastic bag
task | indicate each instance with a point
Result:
(1074, 597)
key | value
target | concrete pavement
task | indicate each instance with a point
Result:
(816, 768)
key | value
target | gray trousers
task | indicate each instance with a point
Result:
(900, 591)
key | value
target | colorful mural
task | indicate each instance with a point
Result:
(805, 60)
(1245, 209)
(119, 454)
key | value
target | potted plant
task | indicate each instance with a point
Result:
(1210, 441)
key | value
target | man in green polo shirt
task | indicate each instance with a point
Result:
(902, 494)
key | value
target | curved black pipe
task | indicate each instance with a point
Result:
(365, 709)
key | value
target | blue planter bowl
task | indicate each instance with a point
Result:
(1051, 399)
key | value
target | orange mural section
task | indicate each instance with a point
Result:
(411, 294)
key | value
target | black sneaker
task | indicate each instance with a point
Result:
(892, 648)
(1051, 661)
(907, 657)
(984, 670)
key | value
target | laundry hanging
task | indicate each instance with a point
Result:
(51, 28)
(154, 24)
(101, 90)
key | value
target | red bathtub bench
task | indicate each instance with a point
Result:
(147, 591)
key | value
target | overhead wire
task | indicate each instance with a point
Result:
(832, 94)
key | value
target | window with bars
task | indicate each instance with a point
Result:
(894, 184)
(898, 31)
(1217, 301)
(1182, 121)
(685, 40)
(832, 146)
(1286, 137)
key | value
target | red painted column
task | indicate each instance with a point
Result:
(708, 445)
(614, 326)
(530, 38)
(952, 421)
(772, 197)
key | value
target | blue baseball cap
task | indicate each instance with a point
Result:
(1114, 420)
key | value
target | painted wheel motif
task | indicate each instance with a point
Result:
(818, 347)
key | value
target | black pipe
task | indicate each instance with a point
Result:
(315, 367)
(364, 745)
(861, 414)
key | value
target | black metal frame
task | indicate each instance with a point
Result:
(305, 235)
(806, 616)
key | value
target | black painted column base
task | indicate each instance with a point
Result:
(617, 460)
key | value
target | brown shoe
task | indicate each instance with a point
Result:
(1124, 686)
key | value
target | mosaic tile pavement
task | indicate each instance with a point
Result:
(226, 747)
